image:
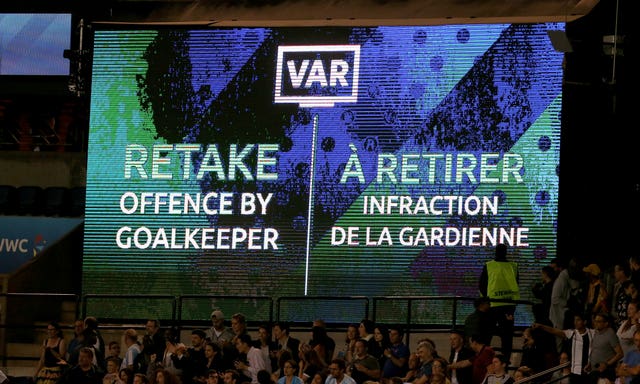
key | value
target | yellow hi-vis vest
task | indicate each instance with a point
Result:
(502, 281)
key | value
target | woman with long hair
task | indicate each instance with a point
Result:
(213, 354)
(164, 376)
(320, 343)
(382, 342)
(310, 364)
(628, 327)
(349, 343)
(54, 349)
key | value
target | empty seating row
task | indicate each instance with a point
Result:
(33, 200)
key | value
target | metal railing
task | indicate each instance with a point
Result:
(544, 373)
(416, 313)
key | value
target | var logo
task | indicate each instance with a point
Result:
(317, 75)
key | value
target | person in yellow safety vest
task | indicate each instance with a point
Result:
(499, 280)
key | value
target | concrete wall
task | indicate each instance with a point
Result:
(44, 169)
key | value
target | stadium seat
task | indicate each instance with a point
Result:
(56, 201)
(30, 200)
(77, 201)
(8, 195)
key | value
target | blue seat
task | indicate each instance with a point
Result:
(56, 201)
(30, 200)
(8, 195)
(77, 201)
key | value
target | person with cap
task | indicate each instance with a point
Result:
(219, 333)
(499, 282)
(597, 293)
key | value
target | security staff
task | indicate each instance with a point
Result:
(499, 281)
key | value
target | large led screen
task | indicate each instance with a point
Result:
(337, 161)
(34, 43)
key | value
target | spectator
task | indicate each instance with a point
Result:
(381, 343)
(112, 376)
(192, 361)
(439, 368)
(480, 322)
(562, 376)
(337, 374)
(498, 372)
(413, 368)
(522, 373)
(364, 366)
(140, 378)
(397, 354)
(580, 340)
(52, 353)
(114, 352)
(542, 291)
(267, 347)
(426, 352)
(596, 301)
(162, 376)
(330, 343)
(605, 349)
(255, 361)
(319, 377)
(365, 332)
(629, 369)
(459, 352)
(538, 350)
(310, 364)
(321, 343)
(213, 377)
(219, 333)
(563, 285)
(628, 328)
(349, 343)
(126, 375)
(290, 370)
(153, 343)
(619, 299)
(85, 372)
(479, 362)
(76, 343)
(285, 341)
(133, 349)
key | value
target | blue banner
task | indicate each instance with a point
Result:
(23, 237)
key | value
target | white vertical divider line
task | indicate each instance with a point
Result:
(310, 209)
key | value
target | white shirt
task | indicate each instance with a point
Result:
(256, 363)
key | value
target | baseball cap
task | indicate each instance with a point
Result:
(592, 269)
(217, 314)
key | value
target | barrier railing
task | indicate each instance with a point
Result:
(435, 313)
(22, 313)
(545, 373)
(417, 313)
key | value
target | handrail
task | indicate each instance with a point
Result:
(454, 307)
(178, 305)
(544, 373)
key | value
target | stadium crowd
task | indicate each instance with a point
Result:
(583, 316)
